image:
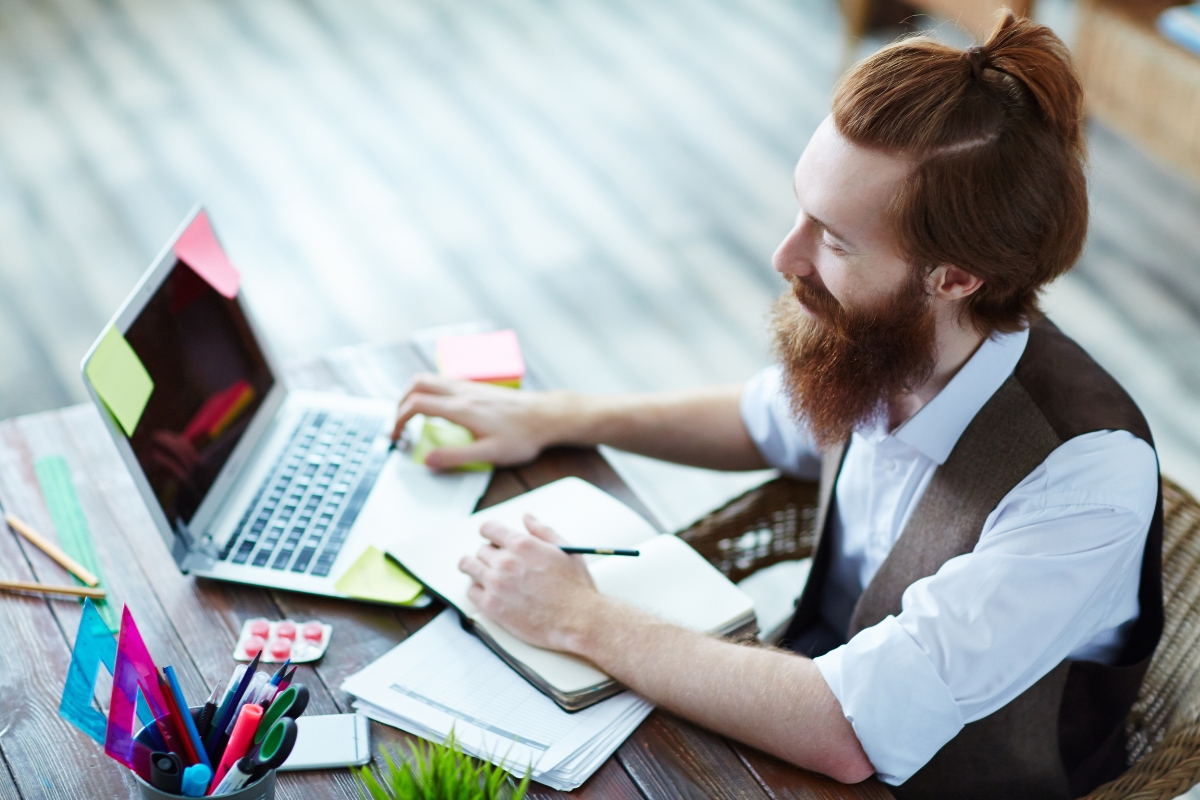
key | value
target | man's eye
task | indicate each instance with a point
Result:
(832, 247)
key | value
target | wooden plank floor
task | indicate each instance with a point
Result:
(610, 178)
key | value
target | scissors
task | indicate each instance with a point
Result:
(274, 750)
(291, 702)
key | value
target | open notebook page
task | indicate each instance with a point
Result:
(669, 578)
(578, 512)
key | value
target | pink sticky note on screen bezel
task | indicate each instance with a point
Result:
(199, 249)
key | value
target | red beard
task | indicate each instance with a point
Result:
(841, 366)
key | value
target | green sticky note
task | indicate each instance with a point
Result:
(443, 433)
(120, 379)
(376, 577)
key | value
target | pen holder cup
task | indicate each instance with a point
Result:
(261, 789)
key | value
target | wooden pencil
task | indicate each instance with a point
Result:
(28, 586)
(51, 549)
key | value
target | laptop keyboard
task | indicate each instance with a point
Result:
(303, 512)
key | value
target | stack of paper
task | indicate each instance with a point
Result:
(443, 678)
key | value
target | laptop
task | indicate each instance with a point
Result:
(247, 480)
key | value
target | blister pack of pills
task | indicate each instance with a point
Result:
(283, 639)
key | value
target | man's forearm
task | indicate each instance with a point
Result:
(700, 427)
(772, 700)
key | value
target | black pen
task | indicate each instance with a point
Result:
(599, 551)
(208, 712)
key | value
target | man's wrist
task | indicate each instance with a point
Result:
(582, 632)
(571, 418)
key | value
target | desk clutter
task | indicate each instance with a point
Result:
(682, 754)
(461, 677)
(238, 738)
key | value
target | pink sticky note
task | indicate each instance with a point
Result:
(494, 357)
(198, 248)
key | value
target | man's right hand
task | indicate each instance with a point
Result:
(509, 426)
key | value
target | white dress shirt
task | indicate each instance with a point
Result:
(1055, 573)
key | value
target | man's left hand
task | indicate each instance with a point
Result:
(523, 581)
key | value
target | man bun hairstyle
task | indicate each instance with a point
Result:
(995, 136)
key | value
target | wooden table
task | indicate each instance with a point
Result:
(193, 624)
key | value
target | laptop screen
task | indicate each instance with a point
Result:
(210, 376)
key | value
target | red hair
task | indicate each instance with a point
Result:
(995, 133)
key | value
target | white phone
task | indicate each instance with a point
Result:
(332, 740)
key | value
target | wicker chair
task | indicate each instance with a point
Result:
(776, 523)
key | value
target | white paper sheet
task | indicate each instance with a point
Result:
(774, 591)
(678, 495)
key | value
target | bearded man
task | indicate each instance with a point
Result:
(985, 594)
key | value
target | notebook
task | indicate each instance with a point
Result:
(669, 579)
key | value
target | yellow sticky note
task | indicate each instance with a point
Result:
(119, 378)
(437, 433)
(377, 578)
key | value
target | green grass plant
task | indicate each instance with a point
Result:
(439, 772)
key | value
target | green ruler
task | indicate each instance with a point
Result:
(74, 536)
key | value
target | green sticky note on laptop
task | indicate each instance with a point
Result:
(119, 378)
(437, 433)
(377, 578)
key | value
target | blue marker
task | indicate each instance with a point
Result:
(195, 780)
(185, 712)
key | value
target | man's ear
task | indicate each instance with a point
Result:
(948, 282)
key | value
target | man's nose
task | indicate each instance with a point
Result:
(794, 256)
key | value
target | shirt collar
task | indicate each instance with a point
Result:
(936, 428)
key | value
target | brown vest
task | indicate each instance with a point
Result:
(1064, 735)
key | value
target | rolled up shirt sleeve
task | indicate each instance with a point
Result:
(766, 412)
(892, 695)
(1055, 575)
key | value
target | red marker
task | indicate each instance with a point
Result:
(239, 740)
